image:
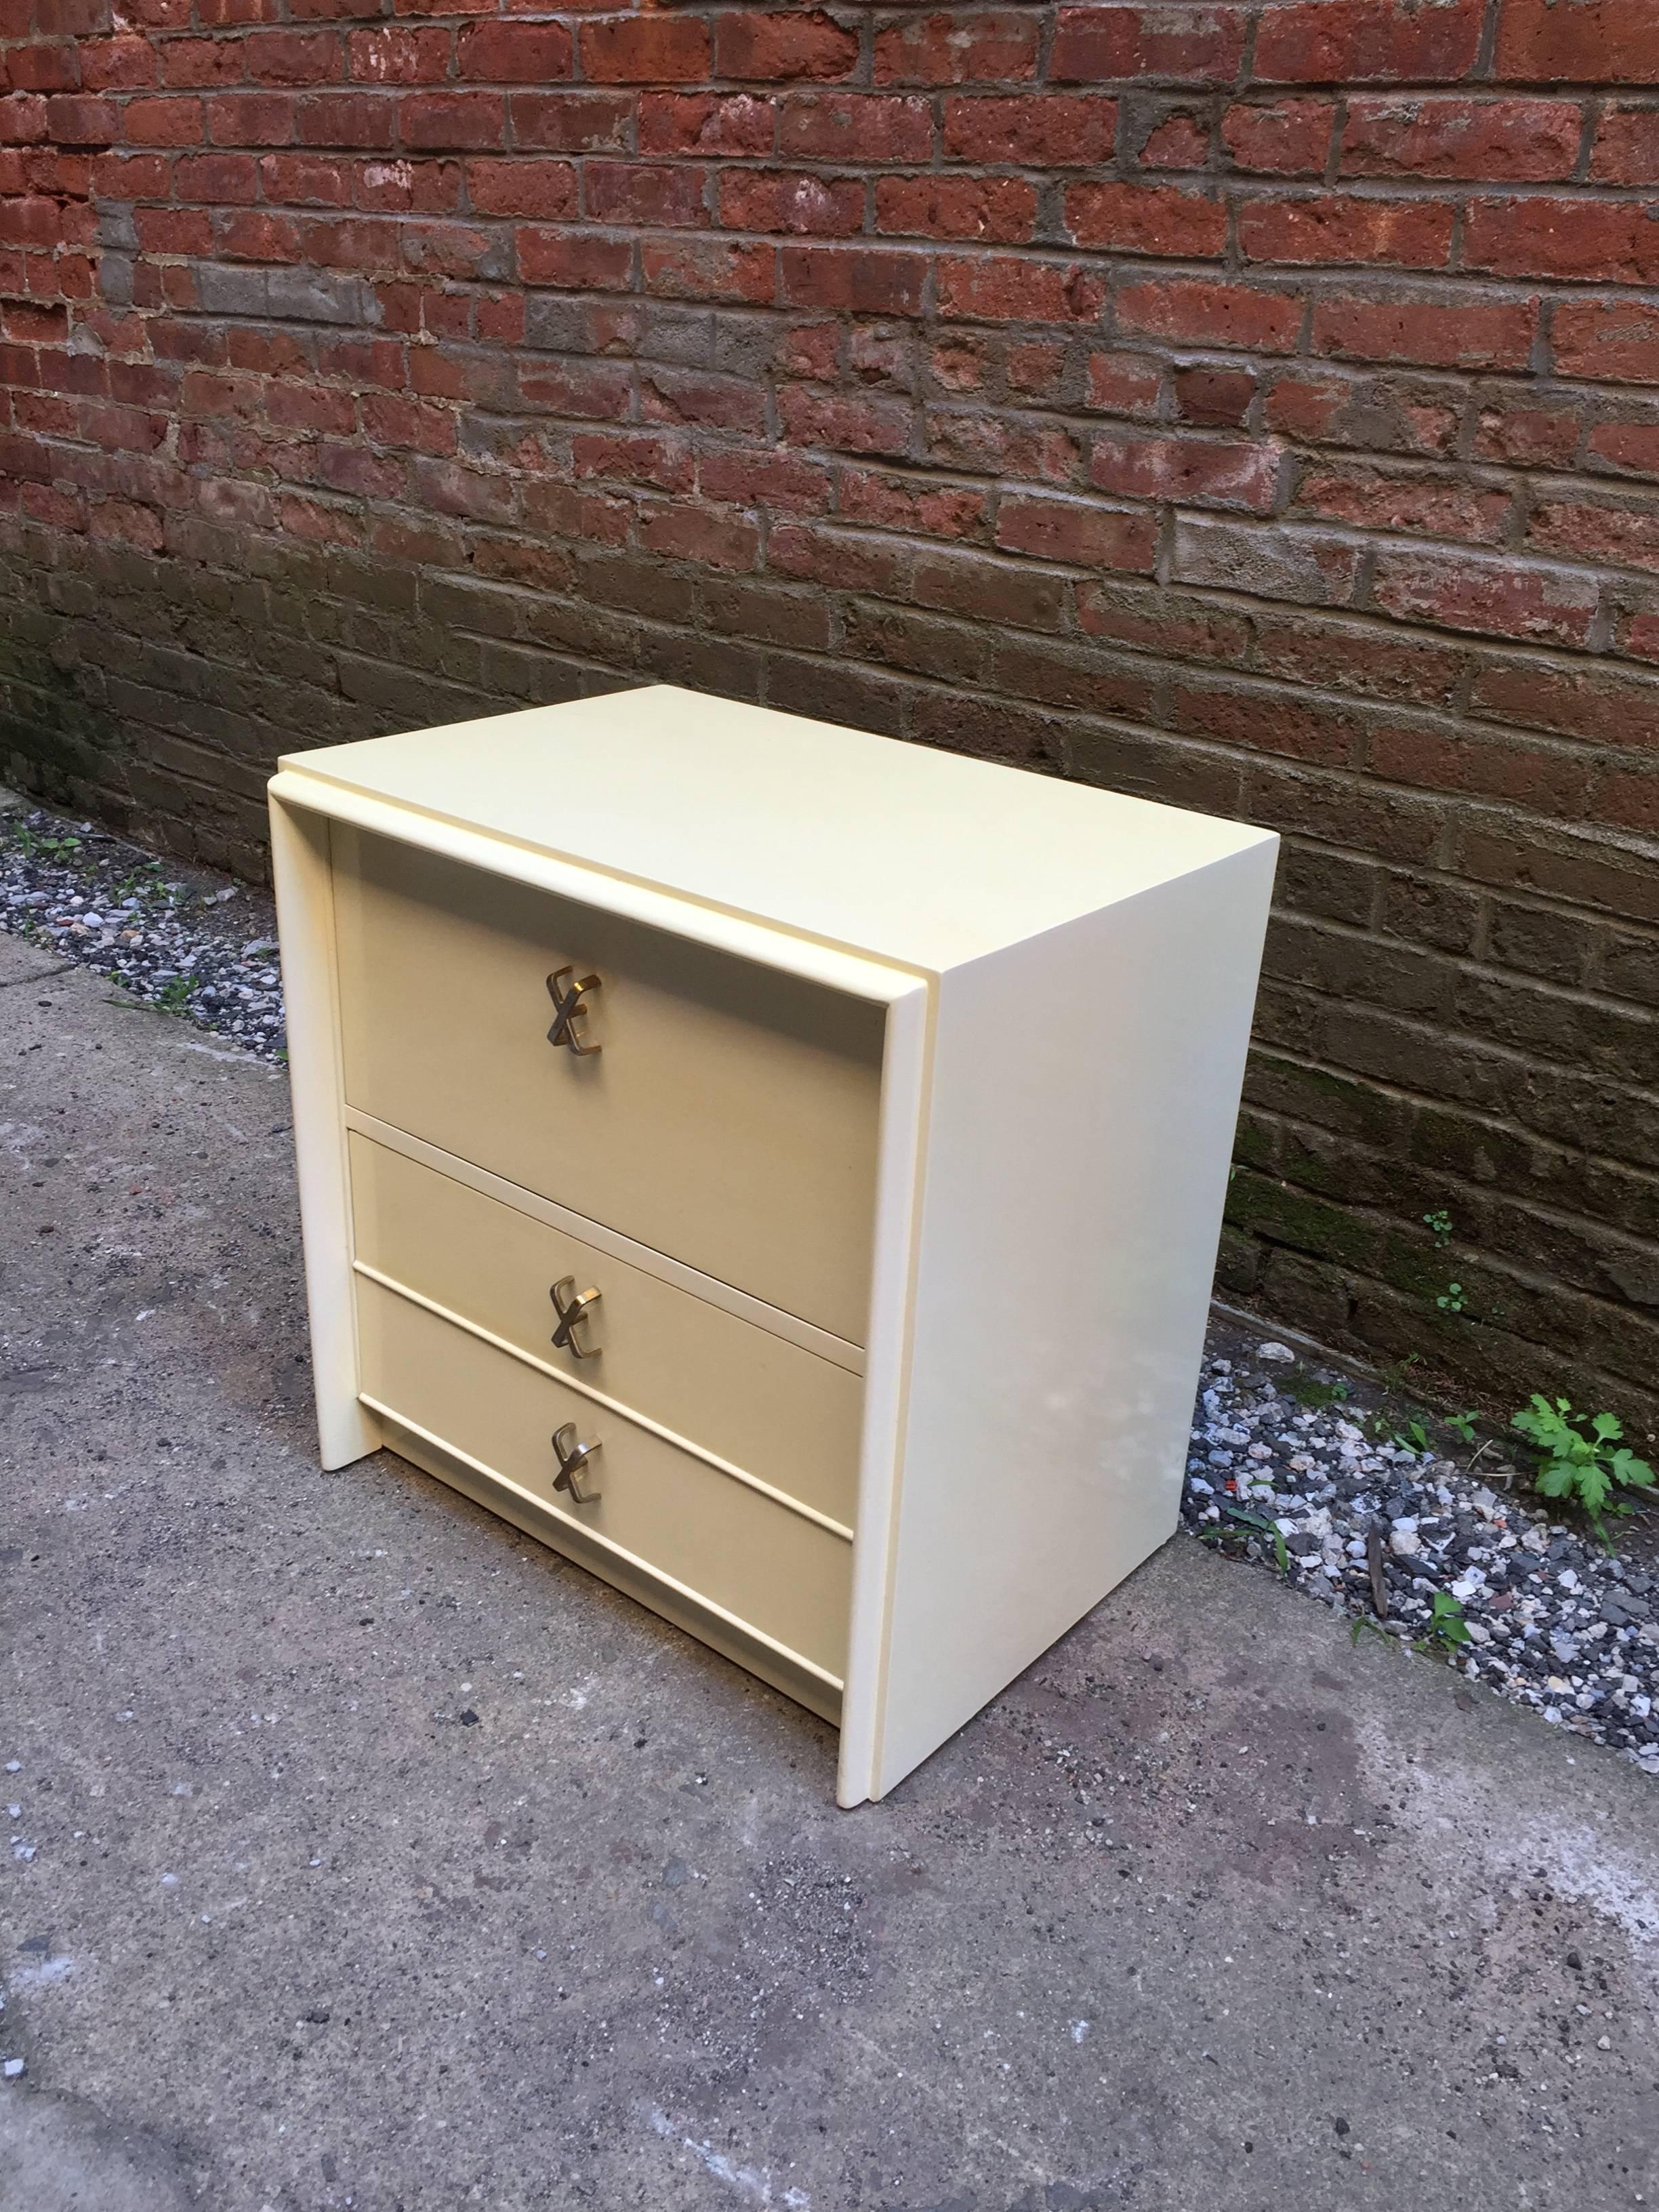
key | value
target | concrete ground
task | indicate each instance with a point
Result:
(366, 1856)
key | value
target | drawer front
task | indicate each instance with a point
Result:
(736, 1390)
(775, 1570)
(729, 1117)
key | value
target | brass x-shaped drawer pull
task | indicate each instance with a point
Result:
(573, 1307)
(568, 1008)
(572, 1457)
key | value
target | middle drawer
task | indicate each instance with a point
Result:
(780, 1413)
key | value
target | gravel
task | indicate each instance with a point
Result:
(1552, 1620)
(171, 937)
(1301, 1489)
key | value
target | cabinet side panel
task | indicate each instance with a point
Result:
(1085, 1090)
(305, 915)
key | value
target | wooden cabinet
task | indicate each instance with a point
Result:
(780, 1167)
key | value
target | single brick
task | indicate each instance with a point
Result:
(1193, 470)
(292, 58)
(1527, 433)
(1483, 592)
(1199, 311)
(842, 126)
(1000, 210)
(1187, 45)
(1335, 228)
(844, 424)
(1369, 41)
(784, 481)
(396, 55)
(1007, 288)
(1125, 384)
(791, 201)
(1414, 135)
(528, 186)
(578, 260)
(1178, 140)
(1603, 705)
(1279, 138)
(688, 268)
(858, 280)
(684, 532)
(570, 122)
(1151, 219)
(1626, 148)
(1607, 533)
(645, 193)
(159, 121)
(1585, 239)
(594, 390)
(996, 47)
(514, 53)
(773, 48)
(1272, 562)
(430, 120)
(1416, 502)
(1050, 129)
(646, 50)
(1438, 330)
(1215, 398)
(1632, 448)
(1080, 532)
(1577, 42)
(694, 395)
(705, 123)
(1606, 341)
(251, 118)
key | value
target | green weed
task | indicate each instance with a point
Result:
(1590, 1467)
(1447, 1630)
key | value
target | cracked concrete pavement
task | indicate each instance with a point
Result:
(365, 1855)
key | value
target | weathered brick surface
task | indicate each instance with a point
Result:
(1250, 403)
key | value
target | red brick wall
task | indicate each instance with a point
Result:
(1253, 403)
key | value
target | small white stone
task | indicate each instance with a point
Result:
(1273, 1350)
(14, 2069)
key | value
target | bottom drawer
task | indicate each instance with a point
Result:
(772, 1572)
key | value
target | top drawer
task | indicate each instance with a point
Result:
(729, 1118)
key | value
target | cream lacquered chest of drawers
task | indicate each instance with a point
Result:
(779, 1167)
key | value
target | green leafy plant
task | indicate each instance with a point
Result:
(31, 843)
(1461, 1425)
(1588, 1465)
(1452, 1299)
(1447, 1630)
(1362, 1622)
(1439, 1226)
(174, 994)
(1412, 1437)
(142, 883)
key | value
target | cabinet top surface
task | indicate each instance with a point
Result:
(925, 858)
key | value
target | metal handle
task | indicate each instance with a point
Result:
(568, 1011)
(572, 1306)
(572, 1457)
